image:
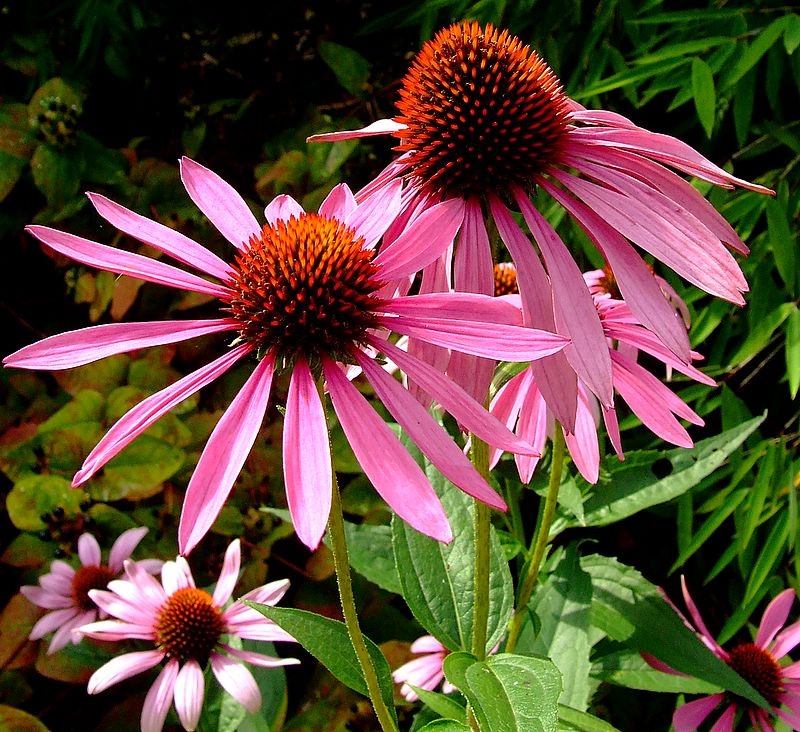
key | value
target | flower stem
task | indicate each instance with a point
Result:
(342, 565)
(540, 540)
(479, 455)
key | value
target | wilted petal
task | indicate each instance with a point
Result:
(380, 127)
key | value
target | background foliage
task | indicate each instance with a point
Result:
(106, 96)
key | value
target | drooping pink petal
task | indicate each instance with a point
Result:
(726, 720)
(690, 716)
(429, 436)
(375, 214)
(123, 547)
(89, 550)
(583, 445)
(149, 410)
(69, 631)
(79, 347)
(506, 405)
(123, 667)
(114, 630)
(161, 237)
(423, 241)
(532, 426)
(786, 640)
(379, 127)
(124, 608)
(52, 621)
(259, 659)
(119, 261)
(159, 697)
(221, 204)
(386, 463)
(237, 681)
(457, 306)
(223, 456)
(774, 617)
(188, 694)
(282, 208)
(228, 575)
(339, 203)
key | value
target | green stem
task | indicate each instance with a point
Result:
(342, 565)
(479, 454)
(541, 538)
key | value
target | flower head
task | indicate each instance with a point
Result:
(483, 119)
(188, 628)
(306, 294)
(425, 671)
(65, 589)
(757, 662)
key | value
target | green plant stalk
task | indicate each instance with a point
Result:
(342, 564)
(540, 540)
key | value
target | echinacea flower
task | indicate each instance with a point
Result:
(188, 627)
(306, 293)
(425, 671)
(757, 662)
(482, 119)
(65, 590)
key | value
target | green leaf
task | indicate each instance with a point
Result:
(350, 67)
(19, 721)
(762, 43)
(438, 579)
(783, 242)
(57, 173)
(627, 608)
(631, 76)
(634, 486)
(684, 16)
(791, 35)
(573, 719)
(760, 335)
(508, 693)
(34, 495)
(444, 705)
(743, 106)
(772, 550)
(705, 97)
(371, 555)
(685, 48)
(329, 642)
(445, 725)
(793, 351)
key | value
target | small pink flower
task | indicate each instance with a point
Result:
(188, 626)
(426, 671)
(65, 590)
(759, 663)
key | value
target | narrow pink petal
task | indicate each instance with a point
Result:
(126, 609)
(698, 621)
(58, 584)
(150, 589)
(282, 208)
(786, 641)
(429, 436)
(149, 410)
(253, 626)
(307, 470)
(173, 578)
(425, 672)
(70, 632)
(375, 214)
(612, 428)
(143, 604)
(466, 410)
(659, 665)
(792, 671)
(189, 691)
(161, 237)
(726, 720)
(159, 697)
(52, 621)
(237, 681)
(423, 241)
(379, 127)
(427, 644)
(186, 579)
(457, 306)
(506, 405)
(89, 550)
(690, 716)
(269, 594)
(121, 668)
(259, 659)
(114, 630)
(46, 598)
(123, 547)
(339, 203)
(790, 718)
(116, 260)
(532, 426)
(221, 204)
(583, 445)
(79, 347)
(393, 170)
(473, 270)
(774, 617)
(392, 471)
(223, 456)
(228, 575)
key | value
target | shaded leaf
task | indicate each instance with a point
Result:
(35, 495)
(350, 67)
(705, 98)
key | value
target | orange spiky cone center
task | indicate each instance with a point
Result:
(189, 625)
(758, 667)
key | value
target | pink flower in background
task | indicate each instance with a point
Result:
(188, 626)
(426, 671)
(483, 120)
(306, 294)
(65, 590)
(759, 663)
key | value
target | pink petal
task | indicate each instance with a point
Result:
(697, 619)
(58, 584)
(161, 237)
(473, 270)
(151, 409)
(380, 127)
(457, 306)
(307, 470)
(282, 208)
(506, 405)
(427, 644)
(116, 260)
(123, 547)
(392, 471)
(339, 203)
(786, 640)
(121, 668)
(237, 681)
(69, 632)
(429, 436)
(583, 445)
(532, 426)
(221, 204)
(188, 693)
(774, 618)
(423, 241)
(123, 608)
(228, 575)
(690, 716)
(375, 214)
(79, 347)
(259, 659)
(114, 630)
(159, 697)
(726, 720)
(89, 551)
(45, 598)
(148, 587)
(52, 621)
(223, 456)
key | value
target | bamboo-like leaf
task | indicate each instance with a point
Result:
(705, 97)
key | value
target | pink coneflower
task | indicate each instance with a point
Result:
(188, 627)
(757, 662)
(482, 119)
(521, 404)
(426, 671)
(65, 590)
(306, 294)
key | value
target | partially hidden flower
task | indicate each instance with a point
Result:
(758, 662)
(65, 590)
(308, 294)
(482, 119)
(425, 671)
(190, 629)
